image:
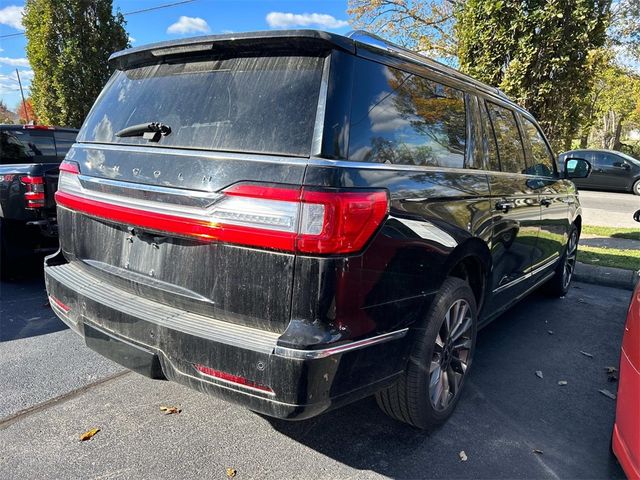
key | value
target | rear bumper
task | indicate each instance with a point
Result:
(163, 342)
(626, 431)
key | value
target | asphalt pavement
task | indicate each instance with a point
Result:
(609, 209)
(510, 423)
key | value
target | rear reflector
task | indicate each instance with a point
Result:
(54, 302)
(279, 217)
(227, 377)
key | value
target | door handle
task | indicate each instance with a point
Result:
(505, 205)
(546, 202)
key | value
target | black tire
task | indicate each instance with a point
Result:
(411, 398)
(7, 257)
(636, 187)
(559, 284)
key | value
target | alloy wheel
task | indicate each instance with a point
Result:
(570, 259)
(451, 355)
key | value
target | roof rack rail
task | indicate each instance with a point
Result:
(370, 39)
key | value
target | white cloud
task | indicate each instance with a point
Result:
(189, 25)
(14, 62)
(12, 16)
(288, 20)
(131, 39)
(9, 83)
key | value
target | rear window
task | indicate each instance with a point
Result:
(405, 119)
(252, 104)
(64, 140)
(27, 146)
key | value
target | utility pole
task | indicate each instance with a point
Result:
(24, 104)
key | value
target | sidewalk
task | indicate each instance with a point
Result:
(608, 276)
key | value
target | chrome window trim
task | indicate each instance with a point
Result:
(287, 352)
(185, 152)
(318, 127)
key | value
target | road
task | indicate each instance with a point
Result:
(609, 209)
(53, 388)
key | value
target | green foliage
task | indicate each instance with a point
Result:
(68, 45)
(536, 51)
(6, 115)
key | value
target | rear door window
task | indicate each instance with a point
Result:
(249, 104)
(26, 146)
(405, 119)
(489, 139)
(541, 159)
(508, 138)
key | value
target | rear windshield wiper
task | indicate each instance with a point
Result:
(149, 131)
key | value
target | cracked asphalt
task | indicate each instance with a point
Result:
(53, 388)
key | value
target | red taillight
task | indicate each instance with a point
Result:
(70, 167)
(287, 218)
(228, 377)
(34, 191)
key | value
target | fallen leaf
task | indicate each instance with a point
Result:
(550, 332)
(170, 410)
(231, 472)
(607, 393)
(562, 383)
(463, 456)
(586, 354)
(539, 374)
(539, 452)
(88, 435)
(611, 369)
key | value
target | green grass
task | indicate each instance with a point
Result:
(610, 257)
(613, 232)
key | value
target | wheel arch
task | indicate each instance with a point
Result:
(471, 261)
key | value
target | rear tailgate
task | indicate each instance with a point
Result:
(247, 120)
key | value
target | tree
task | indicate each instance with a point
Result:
(422, 25)
(6, 115)
(68, 45)
(536, 51)
(25, 111)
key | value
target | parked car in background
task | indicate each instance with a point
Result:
(29, 160)
(615, 171)
(626, 431)
(295, 220)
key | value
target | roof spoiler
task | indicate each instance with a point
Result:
(285, 40)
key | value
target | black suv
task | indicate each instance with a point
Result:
(29, 160)
(614, 171)
(295, 220)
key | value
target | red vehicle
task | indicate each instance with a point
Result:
(626, 431)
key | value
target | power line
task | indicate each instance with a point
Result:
(158, 7)
(134, 12)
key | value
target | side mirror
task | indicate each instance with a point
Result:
(576, 168)
(636, 216)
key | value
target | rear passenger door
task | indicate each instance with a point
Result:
(544, 179)
(515, 205)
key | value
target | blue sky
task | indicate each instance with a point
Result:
(198, 17)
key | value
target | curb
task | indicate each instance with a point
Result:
(607, 276)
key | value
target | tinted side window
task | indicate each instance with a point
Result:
(541, 157)
(64, 140)
(26, 146)
(489, 139)
(508, 138)
(405, 119)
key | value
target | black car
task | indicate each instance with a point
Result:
(29, 160)
(615, 171)
(295, 220)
